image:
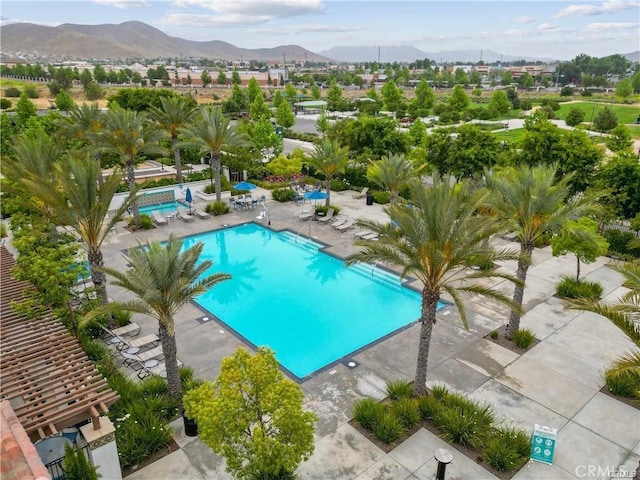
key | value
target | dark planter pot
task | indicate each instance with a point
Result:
(190, 426)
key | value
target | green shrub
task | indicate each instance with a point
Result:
(282, 194)
(324, 209)
(387, 428)
(569, 287)
(507, 449)
(622, 384)
(440, 392)
(494, 334)
(140, 434)
(5, 103)
(217, 208)
(146, 222)
(619, 242)
(77, 466)
(482, 412)
(381, 197)
(399, 389)
(153, 386)
(461, 428)
(31, 91)
(406, 411)
(338, 185)
(523, 338)
(429, 407)
(122, 317)
(366, 411)
(225, 186)
(12, 92)
(3, 230)
(96, 351)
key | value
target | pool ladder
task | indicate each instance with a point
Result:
(300, 231)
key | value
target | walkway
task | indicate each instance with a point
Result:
(556, 383)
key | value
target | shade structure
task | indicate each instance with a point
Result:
(189, 198)
(315, 195)
(244, 186)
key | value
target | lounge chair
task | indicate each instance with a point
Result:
(339, 221)
(362, 193)
(305, 215)
(148, 341)
(131, 329)
(184, 216)
(345, 226)
(327, 217)
(369, 236)
(202, 215)
(159, 220)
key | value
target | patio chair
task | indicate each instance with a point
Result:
(184, 216)
(201, 215)
(345, 226)
(362, 193)
(297, 198)
(339, 221)
(131, 329)
(160, 369)
(327, 217)
(159, 220)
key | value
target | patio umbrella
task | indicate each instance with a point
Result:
(244, 186)
(189, 198)
(315, 195)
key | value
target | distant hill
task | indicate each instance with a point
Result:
(407, 53)
(633, 56)
(130, 40)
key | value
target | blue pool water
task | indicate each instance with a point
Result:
(304, 304)
(161, 208)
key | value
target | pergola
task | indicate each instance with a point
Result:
(47, 377)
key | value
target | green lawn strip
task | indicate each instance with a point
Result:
(625, 113)
(515, 135)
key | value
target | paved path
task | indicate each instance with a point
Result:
(556, 383)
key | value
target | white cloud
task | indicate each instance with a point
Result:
(591, 9)
(270, 8)
(124, 3)
(191, 20)
(524, 19)
(600, 27)
(313, 28)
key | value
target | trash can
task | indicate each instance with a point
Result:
(190, 425)
(369, 199)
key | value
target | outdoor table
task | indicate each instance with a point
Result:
(151, 363)
(171, 217)
(52, 448)
(133, 350)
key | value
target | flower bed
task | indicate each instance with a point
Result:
(471, 427)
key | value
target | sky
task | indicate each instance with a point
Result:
(555, 29)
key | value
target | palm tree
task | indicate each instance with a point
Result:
(174, 115)
(164, 278)
(530, 201)
(329, 159)
(211, 133)
(68, 193)
(128, 134)
(392, 173)
(84, 124)
(434, 241)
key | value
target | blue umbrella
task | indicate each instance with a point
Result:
(244, 186)
(315, 195)
(189, 198)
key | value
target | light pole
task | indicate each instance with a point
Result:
(444, 458)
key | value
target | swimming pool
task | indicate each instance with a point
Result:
(304, 304)
(162, 208)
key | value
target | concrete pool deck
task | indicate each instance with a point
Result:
(555, 383)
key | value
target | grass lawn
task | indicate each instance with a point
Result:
(513, 136)
(635, 131)
(625, 113)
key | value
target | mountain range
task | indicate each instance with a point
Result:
(130, 40)
(141, 41)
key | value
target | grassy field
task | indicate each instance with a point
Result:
(635, 131)
(513, 136)
(625, 113)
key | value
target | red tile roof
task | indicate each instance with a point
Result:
(19, 458)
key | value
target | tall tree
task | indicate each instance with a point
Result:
(164, 278)
(211, 133)
(85, 124)
(435, 242)
(459, 100)
(67, 192)
(329, 158)
(285, 116)
(530, 201)
(252, 416)
(392, 172)
(581, 238)
(128, 134)
(174, 115)
(253, 90)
